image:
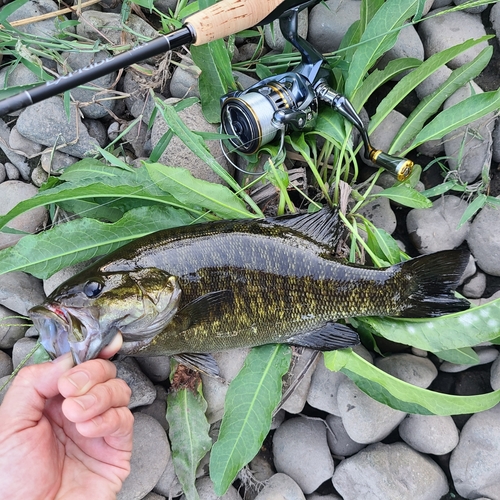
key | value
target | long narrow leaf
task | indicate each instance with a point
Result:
(405, 195)
(250, 401)
(400, 395)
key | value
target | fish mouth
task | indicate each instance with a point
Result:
(64, 330)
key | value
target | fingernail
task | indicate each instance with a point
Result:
(65, 360)
(86, 401)
(79, 379)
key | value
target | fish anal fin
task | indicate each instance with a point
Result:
(204, 363)
(327, 337)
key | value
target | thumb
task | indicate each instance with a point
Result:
(33, 385)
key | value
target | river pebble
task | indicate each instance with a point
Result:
(205, 489)
(158, 408)
(340, 443)
(20, 291)
(415, 370)
(6, 365)
(485, 355)
(495, 375)
(11, 329)
(474, 464)
(280, 486)
(390, 472)
(300, 450)
(143, 390)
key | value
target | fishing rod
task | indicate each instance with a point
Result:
(254, 116)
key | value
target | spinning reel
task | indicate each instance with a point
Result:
(290, 101)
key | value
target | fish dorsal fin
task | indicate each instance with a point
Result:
(324, 226)
(204, 363)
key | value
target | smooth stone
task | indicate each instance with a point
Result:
(154, 496)
(484, 239)
(298, 398)
(379, 212)
(365, 420)
(475, 287)
(58, 278)
(3, 391)
(390, 472)
(317, 496)
(495, 375)
(495, 19)
(150, 456)
(275, 39)
(46, 123)
(433, 434)
(470, 270)
(474, 464)
(496, 142)
(329, 22)
(20, 292)
(18, 160)
(20, 143)
(139, 100)
(205, 489)
(143, 390)
(6, 365)
(11, 329)
(54, 162)
(97, 130)
(444, 31)
(168, 484)
(300, 450)
(436, 228)
(158, 408)
(485, 354)
(3, 173)
(340, 443)
(157, 368)
(176, 154)
(22, 348)
(214, 390)
(262, 466)
(280, 486)
(415, 370)
(39, 176)
(12, 193)
(12, 172)
(471, 10)
(184, 82)
(469, 148)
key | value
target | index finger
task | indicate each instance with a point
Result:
(80, 379)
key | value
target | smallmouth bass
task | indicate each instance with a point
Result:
(208, 287)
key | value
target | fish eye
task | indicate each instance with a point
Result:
(92, 289)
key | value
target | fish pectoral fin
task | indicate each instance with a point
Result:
(204, 307)
(204, 363)
(327, 337)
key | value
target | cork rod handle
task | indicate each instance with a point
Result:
(228, 17)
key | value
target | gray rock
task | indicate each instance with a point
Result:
(39, 176)
(18, 160)
(412, 369)
(184, 82)
(475, 287)
(50, 284)
(495, 19)
(12, 172)
(389, 472)
(137, 138)
(340, 443)
(3, 380)
(280, 486)
(379, 212)
(205, 489)
(436, 228)
(261, 466)
(23, 145)
(469, 148)
(20, 292)
(244, 80)
(168, 484)
(474, 464)
(22, 348)
(485, 355)
(178, 155)
(3, 173)
(158, 408)
(484, 240)
(296, 401)
(434, 434)
(275, 39)
(154, 496)
(54, 162)
(444, 31)
(6, 365)
(471, 10)
(214, 390)
(496, 141)
(469, 271)
(495, 375)
(11, 329)
(165, 5)
(365, 420)
(46, 123)
(96, 130)
(329, 22)
(150, 456)
(317, 496)
(300, 450)
(143, 390)
(157, 368)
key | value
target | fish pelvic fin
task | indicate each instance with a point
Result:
(327, 337)
(202, 362)
(435, 277)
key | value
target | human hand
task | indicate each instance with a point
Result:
(66, 432)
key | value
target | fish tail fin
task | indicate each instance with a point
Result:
(432, 280)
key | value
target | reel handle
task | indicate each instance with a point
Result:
(228, 17)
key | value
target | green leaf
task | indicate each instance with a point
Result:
(401, 395)
(452, 331)
(405, 195)
(383, 244)
(250, 401)
(431, 103)
(40, 355)
(76, 241)
(462, 113)
(188, 433)
(181, 184)
(331, 126)
(462, 356)
(414, 78)
(473, 207)
(380, 35)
